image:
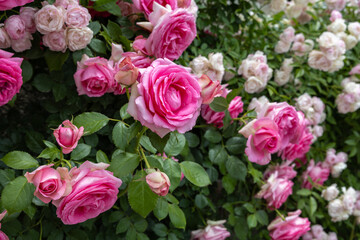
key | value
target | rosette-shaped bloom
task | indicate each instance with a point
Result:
(5, 41)
(331, 45)
(10, 77)
(77, 16)
(215, 230)
(275, 191)
(209, 89)
(94, 76)
(258, 104)
(10, 4)
(49, 19)
(146, 6)
(94, 190)
(78, 38)
(330, 193)
(166, 99)
(28, 15)
(158, 182)
(284, 170)
(263, 140)
(298, 150)
(67, 136)
(318, 174)
(15, 27)
(50, 184)
(55, 41)
(291, 229)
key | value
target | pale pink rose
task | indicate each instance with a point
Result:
(158, 182)
(299, 37)
(78, 38)
(126, 8)
(284, 170)
(138, 59)
(332, 236)
(215, 230)
(173, 33)
(254, 85)
(66, 3)
(298, 150)
(146, 6)
(304, 102)
(116, 52)
(5, 41)
(346, 103)
(282, 47)
(126, 73)
(318, 173)
(337, 27)
(3, 236)
(15, 27)
(264, 140)
(335, 15)
(331, 45)
(209, 89)
(10, 76)
(291, 229)
(22, 44)
(183, 3)
(335, 4)
(318, 60)
(258, 104)
(94, 191)
(163, 111)
(275, 191)
(55, 41)
(354, 29)
(355, 70)
(318, 104)
(94, 76)
(28, 15)
(77, 16)
(49, 19)
(288, 35)
(10, 4)
(50, 184)
(67, 136)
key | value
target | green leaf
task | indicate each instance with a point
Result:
(313, 206)
(114, 31)
(251, 220)
(17, 195)
(55, 60)
(98, 46)
(101, 157)
(123, 163)
(236, 168)
(249, 207)
(236, 145)
(50, 153)
(34, 141)
(91, 121)
(219, 104)
(229, 184)
(120, 135)
(218, 154)
(161, 209)
(177, 216)
(262, 217)
(175, 144)
(30, 211)
(43, 82)
(141, 225)
(81, 151)
(6, 176)
(19, 160)
(212, 135)
(95, 27)
(59, 91)
(201, 201)
(27, 70)
(123, 112)
(146, 143)
(141, 199)
(173, 171)
(192, 139)
(158, 142)
(160, 230)
(304, 192)
(123, 225)
(195, 173)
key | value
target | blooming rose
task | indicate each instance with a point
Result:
(172, 34)
(77, 16)
(146, 6)
(55, 41)
(5, 41)
(335, 15)
(263, 140)
(275, 191)
(9, 4)
(318, 60)
(318, 174)
(22, 44)
(338, 26)
(288, 35)
(284, 170)
(158, 182)
(282, 46)
(217, 68)
(332, 46)
(335, 4)
(215, 230)
(291, 229)
(354, 29)
(254, 85)
(94, 191)
(209, 89)
(94, 76)
(68, 136)
(78, 38)
(28, 15)
(10, 76)
(330, 193)
(15, 27)
(66, 3)
(49, 19)
(298, 150)
(50, 184)
(346, 103)
(258, 104)
(256, 65)
(199, 65)
(168, 98)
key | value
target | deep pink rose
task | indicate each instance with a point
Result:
(94, 191)
(318, 174)
(94, 76)
(68, 136)
(50, 184)
(10, 76)
(236, 107)
(10, 4)
(284, 171)
(15, 27)
(28, 15)
(209, 89)
(139, 60)
(294, 151)
(166, 99)
(215, 230)
(183, 3)
(146, 6)
(172, 34)
(291, 229)
(263, 140)
(3, 236)
(158, 182)
(275, 191)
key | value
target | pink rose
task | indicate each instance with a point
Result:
(284, 171)
(167, 98)
(172, 34)
(291, 229)
(318, 173)
(139, 45)
(22, 44)
(126, 73)
(66, 3)
(3, 236)
(28, 15)
(50, 184)
(146, 6)
(94, 191)
(158, 182)
(68, 136)
(49, 19)
(10, 76)
(293, 151)
(288, 35)
(183, 3)
(355, 70)
(5, 41)
(77, 16)
(10, 4)
(275, 191)
(209, 89)
(346, 102)
(263, 140)
(335, 15)
(55, 41)
(94, 76)
(236, 107)
(139, 60)
(215, 230)
(15, 27)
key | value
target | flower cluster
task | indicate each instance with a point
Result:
(302, 46)
(286, 39)
(317, 232)
(336, 162)
(341, 208)
(213, 230)
(318, 173)
(212, 66)
(349, 99)
(283, 75)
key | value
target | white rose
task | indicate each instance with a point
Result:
(337, 64)
(304, 102)
(337, 169)
(282, 47)
(293, 10)
(318, 60)
(49, 19)
(331, 45)
(217, 64)
(318, 131)
(349, 199)
(282, 77)
(354, 29)
(337, 211)
(5, 41)
(258, 103)
(78, 38)
(278, 5)
(254, 85)
(335, 4)
(286, 65)
(337, 26)
(330, 193)
(350, 42)
(199, 65)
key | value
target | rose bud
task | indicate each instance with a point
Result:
(126, 72)
(158, 182)
(209, 89)
(68, 136)
(50, 184)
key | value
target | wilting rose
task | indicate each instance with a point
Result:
(158, 182)
(94, 191)
(126, 73)
(318, 174)
(28, 15)
(215, 230)
(291, 229)
(146, 6)
(10, 76)
(15, 27)
(50, 184)
(94, 76)
(55, 41)
(209, 89)
(67, 136)
(49, 19)
(10, 4)
(5, 41)
(166, 99)
(77, 16)
(78, 38)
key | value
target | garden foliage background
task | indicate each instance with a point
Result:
(234, 28)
